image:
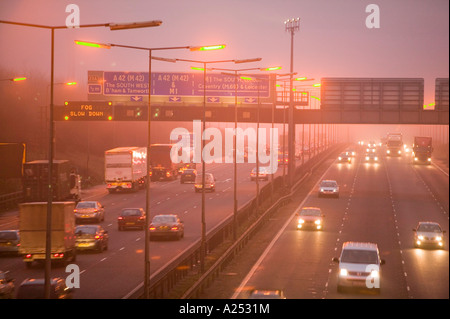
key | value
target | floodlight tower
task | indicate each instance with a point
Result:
(291, 26)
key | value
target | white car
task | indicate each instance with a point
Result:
(329, 188)
(428, 234)
(359, 266)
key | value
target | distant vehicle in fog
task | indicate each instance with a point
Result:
(329, 188)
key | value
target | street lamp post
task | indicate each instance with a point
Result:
(236, 74)
(52, 29)
(149, 116)
(203, 221)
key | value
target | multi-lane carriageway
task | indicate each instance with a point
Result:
(379, 203)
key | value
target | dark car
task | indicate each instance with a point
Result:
(6, 286)
(188, 176)
(168, 225)
(9, 241)
(131, 218)
(91, 237)
(35, 289)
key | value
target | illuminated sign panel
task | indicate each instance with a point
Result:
(117, 83)
(86, 111)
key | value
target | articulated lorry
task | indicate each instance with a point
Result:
(422, 149)
(125, 168)
(394, 144)
(33, 232)
(66, 184)
(162, 166)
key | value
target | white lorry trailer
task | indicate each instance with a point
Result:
(125, 168)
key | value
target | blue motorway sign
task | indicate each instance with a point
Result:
(179, 84)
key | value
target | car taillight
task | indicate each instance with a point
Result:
(75, 211)
(58, 255)
(98, 237)
(120, 218)
(142, 217)
(28, 256)
(152, 228)
(174, 228)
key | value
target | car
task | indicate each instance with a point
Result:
(131, 218)
(359, 266)
(350, 152)
(166, 225)
(188, 176)
(281, 160)
(89, 211)
(34, 288)
(329, 188)
(9, 242)
(210, 182)
(372, 144)
(310, 217)
(267, 294)
(428, 234)
(264, 173)
(371, 158)
(91, 237)
(344, 158)
(6, 286)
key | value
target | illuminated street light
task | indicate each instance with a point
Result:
(14, 79)
(208, 47)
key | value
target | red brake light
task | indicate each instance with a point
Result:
(120, 217)
(175, 228)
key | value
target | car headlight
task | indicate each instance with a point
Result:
(388, 151)
(438, 238)
(374, 274)
(420, 237)
(318, 222)
(343, 272)
(429, 159)
(376, 158)
(367, 158)
(301, 221)
(340, 158)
